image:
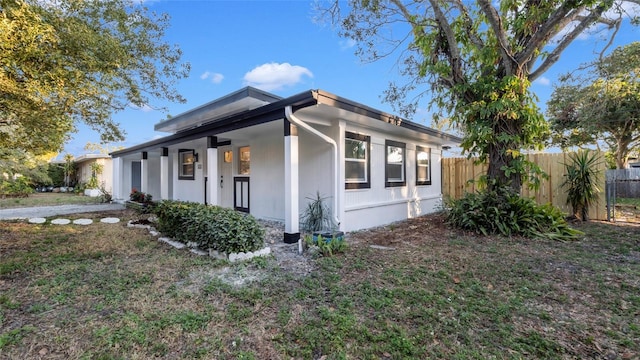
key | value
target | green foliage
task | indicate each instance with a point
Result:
(476, 61)
(16, 162)
(79, 61)
(96, 169)
(581, 182)
(326, 246)
(500, 211)
(210, 227)
(601, 104)
(317, 215)
(18, 187)
(56, 174)
(139, 196)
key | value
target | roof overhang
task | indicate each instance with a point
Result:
(240, 101)
(312, 104)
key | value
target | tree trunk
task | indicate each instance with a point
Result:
(497, 177)
(501, 160)
(621, 154)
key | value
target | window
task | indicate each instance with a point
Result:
(423, 166)
(356, 161)
(395, 163)
(244, 160)
(186, 162)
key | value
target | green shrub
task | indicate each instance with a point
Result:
(139, 196)
(210, 227)
(581, 182)
(500, 211)
(326, 247)
(18, 187)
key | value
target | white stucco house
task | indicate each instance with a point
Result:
(84, 172)
(265, 155)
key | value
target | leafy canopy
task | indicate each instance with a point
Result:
(600, 103)
(71, 61)
(476, 61)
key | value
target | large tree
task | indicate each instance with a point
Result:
(476, 60)
(68, 61)
(600, 103)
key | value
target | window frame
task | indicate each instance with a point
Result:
(182, 163)
(353, 184)
(403, 146)
(420, 149)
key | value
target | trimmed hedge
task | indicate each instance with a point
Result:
(211, 227)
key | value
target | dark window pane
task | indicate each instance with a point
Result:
(355, 171)
(394, 172)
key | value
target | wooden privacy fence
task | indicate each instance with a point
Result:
(457, 173)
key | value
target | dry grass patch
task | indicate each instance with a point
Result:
(107, 291)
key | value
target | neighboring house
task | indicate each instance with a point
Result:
(266, 155)
(84, 172)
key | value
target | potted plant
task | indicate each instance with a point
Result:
(317, 220)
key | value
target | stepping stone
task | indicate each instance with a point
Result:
(380, 247)
(60, 221)
(110, 220)
(83, 221)
(37, 221)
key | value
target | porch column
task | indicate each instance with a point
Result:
(291, 184)
(340, 176)
(212, 170)
(117, 171)
(164, 174)
(144, 173)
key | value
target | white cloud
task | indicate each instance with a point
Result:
(347, 44)
(544, 81)
(624, 9)
(216, 78)
(274, 76)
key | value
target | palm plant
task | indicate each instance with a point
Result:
(317, 215)
(582, 182)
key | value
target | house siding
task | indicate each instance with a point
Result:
(379, 205)
(184, 190)
(267, 176)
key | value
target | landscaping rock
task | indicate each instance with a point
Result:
(37, 220)
(61, 221)
(175, 244)
(233, 257)
(83, 221)
(110, 220)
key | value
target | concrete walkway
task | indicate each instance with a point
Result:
(54, 210)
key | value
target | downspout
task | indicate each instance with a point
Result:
(292, 118)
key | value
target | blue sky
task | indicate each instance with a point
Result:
(276, 46)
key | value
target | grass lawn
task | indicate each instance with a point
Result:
(41, 199)
(109, 292)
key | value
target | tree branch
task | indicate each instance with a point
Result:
(468, 24)
(496, 24)
(555, 54)
(556, 22)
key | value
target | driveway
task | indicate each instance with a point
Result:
(54, 210)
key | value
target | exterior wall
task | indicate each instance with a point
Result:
(316, 171)
(381, 205)
(84, 172)
(186, 190)
(267, 176)
(153, 180)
